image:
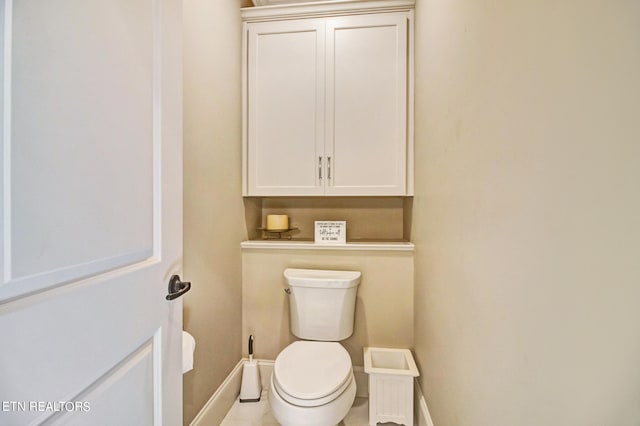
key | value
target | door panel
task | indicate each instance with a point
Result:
(110, 398)
(79, 156)
(367, 104)
(285, 107)
(91, 205)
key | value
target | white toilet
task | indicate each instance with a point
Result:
(312, 381)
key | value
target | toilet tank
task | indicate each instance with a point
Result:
(322, 303)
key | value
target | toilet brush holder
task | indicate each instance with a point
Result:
(251, 387)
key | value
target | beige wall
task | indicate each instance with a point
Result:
(213, 209)
(527, 212)
(384, 314)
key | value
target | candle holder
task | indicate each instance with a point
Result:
(267, 232)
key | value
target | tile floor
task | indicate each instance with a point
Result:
(259, 413)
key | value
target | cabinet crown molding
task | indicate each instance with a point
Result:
(323, 8)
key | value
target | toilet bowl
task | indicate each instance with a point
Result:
(312, 384)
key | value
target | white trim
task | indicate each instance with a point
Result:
(157, 128)
(158, 389)
(310, 245)
(245, 108)
(103, 383)
(157, 377)
(410, 105)
(61, 277)
(421, 410)
(222, 399)
(6, 139)
(324, 8)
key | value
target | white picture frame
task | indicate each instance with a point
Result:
(330, 232)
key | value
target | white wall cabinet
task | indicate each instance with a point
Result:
(328, 100)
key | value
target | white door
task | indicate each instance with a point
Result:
(284, 145)
(91, 212)
(366, 119)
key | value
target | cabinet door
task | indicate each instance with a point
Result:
(366, 123)
(285, 96)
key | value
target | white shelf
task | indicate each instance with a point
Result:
(310, 245)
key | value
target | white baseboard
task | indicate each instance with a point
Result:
(222, 399)
(423, 417)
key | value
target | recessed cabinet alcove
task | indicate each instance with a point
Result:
(328, 100)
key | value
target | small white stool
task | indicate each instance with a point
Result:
(391, 373)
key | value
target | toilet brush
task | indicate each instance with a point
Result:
(251, 387)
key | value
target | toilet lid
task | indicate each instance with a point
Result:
(312, 370)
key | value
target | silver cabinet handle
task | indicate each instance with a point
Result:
(328, 167)
(320, 168)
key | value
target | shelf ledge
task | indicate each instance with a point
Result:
(310, 245)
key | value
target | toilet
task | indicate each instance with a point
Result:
(312, 382)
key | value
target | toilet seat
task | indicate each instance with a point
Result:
(332, 413)
(309, 374)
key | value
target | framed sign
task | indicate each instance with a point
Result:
(330, 232)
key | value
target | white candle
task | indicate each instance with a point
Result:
(277, 221)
